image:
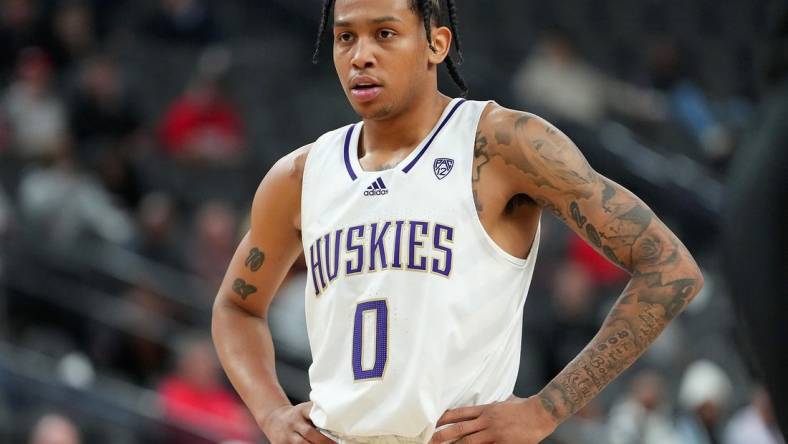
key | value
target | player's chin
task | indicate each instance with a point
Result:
(379, 108)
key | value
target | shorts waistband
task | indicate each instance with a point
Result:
(380, 439)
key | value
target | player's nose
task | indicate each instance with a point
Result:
(363, 55)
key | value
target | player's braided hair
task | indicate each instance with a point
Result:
(430, 11)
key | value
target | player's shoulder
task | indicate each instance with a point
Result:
(519, 138)
(500, 120)
(279, 194)
(290, 167)
(295, 161)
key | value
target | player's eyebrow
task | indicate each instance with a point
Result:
(374, 21)
(387, 18)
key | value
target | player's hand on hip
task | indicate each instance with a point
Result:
(516, 420)
(291, 425)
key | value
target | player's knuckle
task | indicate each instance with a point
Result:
(468, 440)
(300, 427)
(441, 436)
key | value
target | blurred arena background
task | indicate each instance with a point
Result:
(133, 134)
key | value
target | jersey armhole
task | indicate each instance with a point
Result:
(495, 249)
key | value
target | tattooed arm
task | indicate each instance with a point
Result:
(551, 169)
(538, 160)
(239, 322)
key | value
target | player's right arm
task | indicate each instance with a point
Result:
(239, 322)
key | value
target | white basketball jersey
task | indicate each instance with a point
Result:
(411, 307)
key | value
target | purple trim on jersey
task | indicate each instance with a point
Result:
(337, 238)
(413, 243)
(358, 248)
(347, 152)
(395, 263)
(436, 243)
(381, 339)
(317, 267)
(429, 142)
(376, 247)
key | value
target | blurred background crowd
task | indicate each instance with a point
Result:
(133, 135)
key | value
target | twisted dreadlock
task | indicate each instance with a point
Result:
(430, 11)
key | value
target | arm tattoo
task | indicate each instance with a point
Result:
(607, 194)
(579, 219)
(545, 203)
(663, 283)
(620, 226)
(255, 259)
(480, 153)
(637, 318)
(503, 137)
(242, 289)
(593, 235)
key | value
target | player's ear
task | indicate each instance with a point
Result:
(441, 41)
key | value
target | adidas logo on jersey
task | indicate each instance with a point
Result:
(378, 188)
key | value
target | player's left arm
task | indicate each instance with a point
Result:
(547, 166)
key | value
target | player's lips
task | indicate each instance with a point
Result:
(365, 88)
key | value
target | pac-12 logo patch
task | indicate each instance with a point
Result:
(442, 167)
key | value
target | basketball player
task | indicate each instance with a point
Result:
(420, 227)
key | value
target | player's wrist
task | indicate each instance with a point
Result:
(266, 417)
(546, 415)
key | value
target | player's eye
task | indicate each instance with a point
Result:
(386, 34)
(344, 37)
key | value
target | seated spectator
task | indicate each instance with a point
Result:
(185, 21)
(688, 104)
(555, 81)
(35, 114)
(64, 205)
(55, 429)
(203, 126)
(703, 396)
(642, 417)
(102, 111)
(104, 121)
(755, 423)
(194, 396)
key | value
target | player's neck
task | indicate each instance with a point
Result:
(406, 129)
